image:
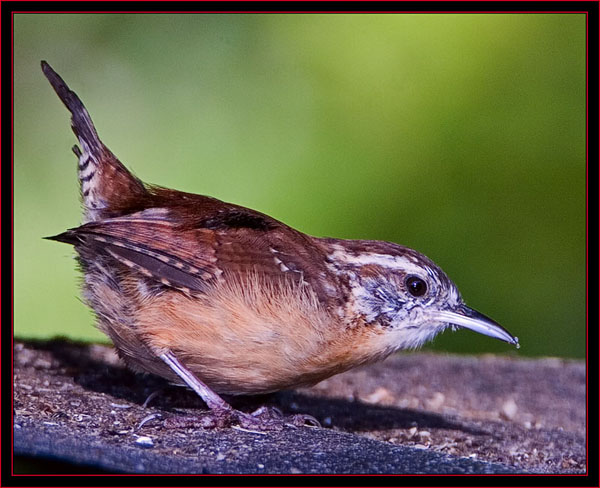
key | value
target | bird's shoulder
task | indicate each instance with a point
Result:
(191, 242)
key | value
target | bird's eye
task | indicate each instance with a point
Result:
(416, 286)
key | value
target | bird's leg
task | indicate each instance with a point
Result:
(212, 400)
(224, 415)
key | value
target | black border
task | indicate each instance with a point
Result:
(8, 7)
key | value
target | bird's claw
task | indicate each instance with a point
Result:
(262, 419)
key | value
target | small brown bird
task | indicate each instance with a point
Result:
(229, 300)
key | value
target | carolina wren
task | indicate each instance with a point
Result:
(231, 301)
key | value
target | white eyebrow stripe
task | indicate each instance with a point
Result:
(383, 260)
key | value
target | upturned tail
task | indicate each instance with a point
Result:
(107, 187)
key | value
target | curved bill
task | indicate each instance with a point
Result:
(468, 318)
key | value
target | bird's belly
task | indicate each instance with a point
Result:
(234, 349)
(234, 344)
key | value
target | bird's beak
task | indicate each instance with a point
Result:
(468, 318)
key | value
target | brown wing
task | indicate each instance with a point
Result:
(149, 243)
(229, 240)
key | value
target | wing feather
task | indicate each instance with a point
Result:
(154, 243)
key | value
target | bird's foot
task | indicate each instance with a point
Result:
(262, 419)
(221, 414)
(271, 416)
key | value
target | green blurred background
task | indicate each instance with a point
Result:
(462, 136)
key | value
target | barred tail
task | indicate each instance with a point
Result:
(81, 121)
(106, 185)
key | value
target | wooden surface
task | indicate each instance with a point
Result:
(76, 405)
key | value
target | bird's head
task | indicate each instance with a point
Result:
(402, 291)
